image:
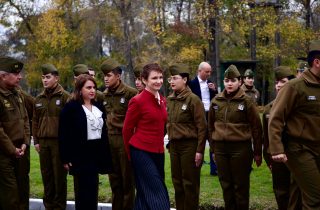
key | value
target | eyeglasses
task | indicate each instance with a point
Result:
(174, 78)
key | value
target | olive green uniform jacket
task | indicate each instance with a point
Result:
(14, 127)
(235, 119)
(14, 131)
(253, 93)
(265, 120)
(121, 180)
(297, 111)
(186, 118)
(48, 106)
(296, 114)
(116, 105)
(47, 109)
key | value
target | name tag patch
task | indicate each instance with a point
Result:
(58, 102)
(312, 98)
(122, 100)
(39, 105)
(184, 107)
(6, 103)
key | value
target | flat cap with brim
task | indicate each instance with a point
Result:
(80, 69)
(248, 73)
(178, 68)
(302, 65)
(109, 65)
(10, 65)
(232, 72)
(48, 68)
(282, 72)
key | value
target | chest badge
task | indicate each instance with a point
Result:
(122, 100)
(184, 107)
(58, 102)
(6, 103)
(104, 103)
(241, 107)
(312, 98)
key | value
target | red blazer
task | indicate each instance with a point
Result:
(145, 123)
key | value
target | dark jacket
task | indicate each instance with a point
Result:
(85, 156)
(195, 88)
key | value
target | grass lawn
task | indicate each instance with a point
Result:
(261, 194)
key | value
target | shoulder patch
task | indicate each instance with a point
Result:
(312, 98)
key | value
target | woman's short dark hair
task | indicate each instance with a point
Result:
(147, 69)
(185, 75)
(80, 81)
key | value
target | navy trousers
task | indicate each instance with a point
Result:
(148, 170)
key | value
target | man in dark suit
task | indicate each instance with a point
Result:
(206, 90)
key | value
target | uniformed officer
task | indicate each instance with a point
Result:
(302, 66)
(233, 121)
(296, 113)
(14, 138)
(84, 69)
(186, 127)
(47, 108)
(248, 85)
(281, 177)
(117, 97)
(137, 78)
(24, 178)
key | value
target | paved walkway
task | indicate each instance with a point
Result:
(36, 204)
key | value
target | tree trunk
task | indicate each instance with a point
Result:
(213, 54)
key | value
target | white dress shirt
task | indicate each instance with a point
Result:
(94, 122)
(205, 94)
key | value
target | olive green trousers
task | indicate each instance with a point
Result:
(185, 174)
(121, 180)
(234, 160)
(14, 181)
(54, 176)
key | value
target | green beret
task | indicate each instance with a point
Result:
(282, 72)
(137, 70)
(179, 68)
(314, 45)
(80, 69)
(248, 73)
(10, 65)
(109, 65)
(232, 72)
(302, 65)
(48, 68)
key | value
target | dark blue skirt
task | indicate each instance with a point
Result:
(148, 170)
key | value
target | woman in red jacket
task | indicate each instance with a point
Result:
(143, 133)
